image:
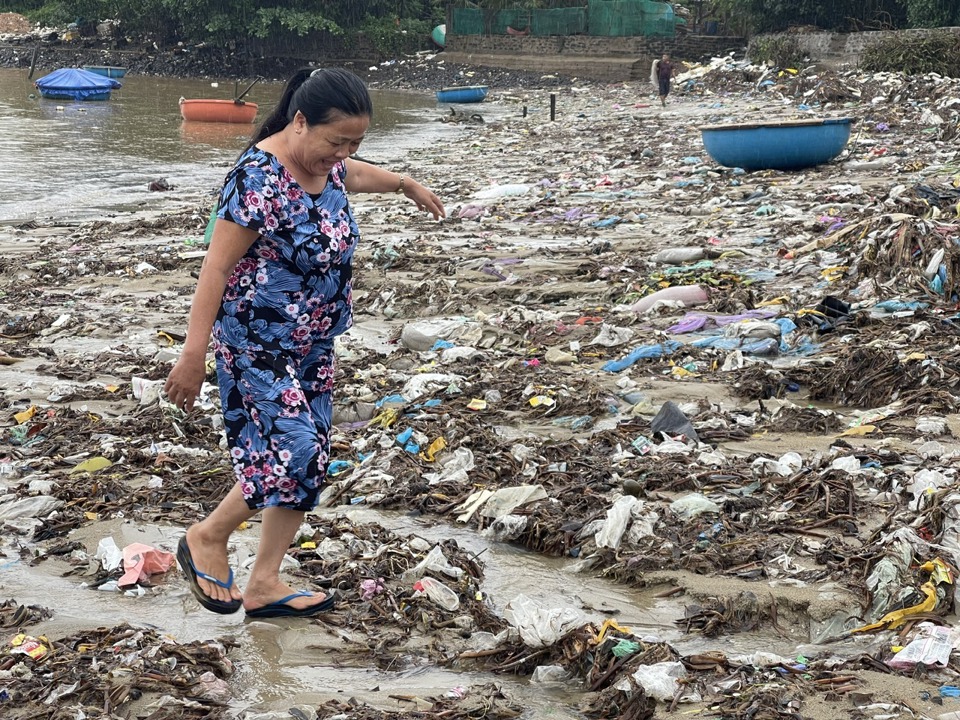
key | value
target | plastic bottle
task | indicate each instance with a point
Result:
(439, 593)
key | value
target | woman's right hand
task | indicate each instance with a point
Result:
(185, 380)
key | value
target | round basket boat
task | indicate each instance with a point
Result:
(787, 145)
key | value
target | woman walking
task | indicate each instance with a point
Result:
(274, 291)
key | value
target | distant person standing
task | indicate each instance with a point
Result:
(662, 71)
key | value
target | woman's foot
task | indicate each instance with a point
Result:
(258, 596)
(209, 556)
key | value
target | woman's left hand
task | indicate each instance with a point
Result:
(424, 198)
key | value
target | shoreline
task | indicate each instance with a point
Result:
(424, 71)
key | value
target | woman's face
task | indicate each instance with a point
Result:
(319, 147)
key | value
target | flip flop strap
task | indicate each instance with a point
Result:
(209, 578)
(288, 598)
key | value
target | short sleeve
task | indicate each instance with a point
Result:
(246, 198)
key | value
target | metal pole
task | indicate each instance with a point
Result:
(33, 62)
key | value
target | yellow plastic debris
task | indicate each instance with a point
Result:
(940, 574)
(835, 273)
(858, 431)
(94, 464)
(31, 646)
(161, 335)
(607, 625)
(386, 418)
(538, 400)
(438, 445)
(309, 545)
(477, 404)
(24, 415)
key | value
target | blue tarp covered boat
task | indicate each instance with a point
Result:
(462, 94)
(75, 84)
(788, 145)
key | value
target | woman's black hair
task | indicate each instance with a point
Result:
(321, 95)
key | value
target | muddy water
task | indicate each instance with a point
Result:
(85, 160)
(291, 662)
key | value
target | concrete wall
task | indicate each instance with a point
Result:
(603, 58)
(834, 48)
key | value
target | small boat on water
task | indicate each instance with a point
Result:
(462, 94)
(439, 35)
(110, 71)
(222, 111)
(75, 84)
(787, 145)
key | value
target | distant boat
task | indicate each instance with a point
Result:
(223, 111)
(75, 84)
(439, 35)
(110, 71)
(462, 94)
(787, 145)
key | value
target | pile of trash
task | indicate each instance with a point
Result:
(485, 701)
(106, 672)
(399, 585)
(733, 392)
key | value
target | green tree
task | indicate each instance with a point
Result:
(933, 13)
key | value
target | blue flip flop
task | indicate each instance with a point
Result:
(190, 570)
(281, 609)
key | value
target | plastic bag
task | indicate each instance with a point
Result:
(549, 674)
(932, 646)
(540, 627)
(660, 680)
(672, 421)
(616, 523)
(435, 561)
(438, 593)
(686, 294)
(693, 504)
(208, 233)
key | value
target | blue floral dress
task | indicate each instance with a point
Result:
(287, 299)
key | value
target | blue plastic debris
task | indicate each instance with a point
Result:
(658, 350)
(892, 306)
(338, 466)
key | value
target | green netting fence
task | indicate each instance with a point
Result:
(606, 18)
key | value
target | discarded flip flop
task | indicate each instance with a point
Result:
(281, 609)
(190, 570)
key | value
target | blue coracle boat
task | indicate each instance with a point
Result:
(787, 145)
(462, 94)
(110, 71)
(75, 84)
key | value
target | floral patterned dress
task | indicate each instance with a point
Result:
(287, 299)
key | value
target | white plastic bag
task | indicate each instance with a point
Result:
(660, 680)
(436, 561)
(109, 555)
(540, 627)
(618, 515)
